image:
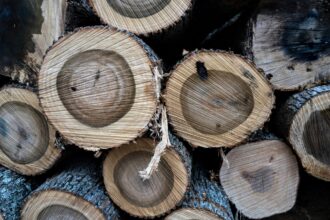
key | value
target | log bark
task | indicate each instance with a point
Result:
(217, 99)
(261, 178)
(75, 193)
(14, 189)
(27, 140)
(28, 28)
(153, 197)
(97, 82)
(204, 200)
(304, 121)
(289, 41)
(142, 18)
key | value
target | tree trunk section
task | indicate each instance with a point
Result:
(28, 28)
(204, 200)
(75, 193)
(217, 99)
(305, 121)
(289, 41)
(261, 178)
(27, 140)
(153, 197)
(14, 189)
(95, 82)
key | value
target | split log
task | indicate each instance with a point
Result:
(14, 189)
(290, 41)
(153, 197)
(217, 99)
(142, 17)
(205, 200)
(305, 121)
(28, 28)
(27, 141)
(261, 178)
(75, 193)
(97, 87)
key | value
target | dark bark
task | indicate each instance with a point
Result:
(14, 189)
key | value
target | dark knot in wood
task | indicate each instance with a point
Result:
(201, 70)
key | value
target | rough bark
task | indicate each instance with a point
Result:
(14, 188)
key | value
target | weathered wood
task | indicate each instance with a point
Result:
(304, 121)
(153, 197)
(75, 193)
(142, 17)
(97, 82)
(290, 41)
(261, 178)
(14, 189)
(27, 141)
(234, 100)
(205, 200)
(28, 28)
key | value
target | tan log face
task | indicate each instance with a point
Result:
(138, 8)
(218, 104)
(59, 212)
(97, 87)
(24, 134)
(141, 193)
(316, 136)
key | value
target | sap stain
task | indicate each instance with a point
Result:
(307, 37)
(316, 136)
(3, 128)
(19, 20)
(260, 180)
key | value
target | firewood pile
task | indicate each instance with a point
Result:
(164, 109)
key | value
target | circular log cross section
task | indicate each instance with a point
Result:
(141, 17)
(100, 93)
(144, 198)
(289, 41)
(222, 108)
(261, 179)
(27, 141)
(190, 213)
(309, 126)
(53, 204)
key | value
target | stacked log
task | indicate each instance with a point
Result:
(28, 28)
(289, 40)
(97, 81)
(27, 140)
(75, 193)
(216, 99)
(14, 189)
(153, 197)
(261, 178)
(304, 121)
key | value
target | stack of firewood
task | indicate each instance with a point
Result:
(119, 109)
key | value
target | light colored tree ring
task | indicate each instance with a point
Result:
(176, 194)
(52, 153)
(135, 121)
(168, 16)
(44, 199)
(279, 196)
(191, 213)
(296, 131)
(263, 98)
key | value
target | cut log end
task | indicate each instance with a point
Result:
(290, 42)
(144, 198)
(96, 89)
(141, 17)
(190, 213)
(308, 121)
(27, 140)
(218, 108)
(264, 172)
